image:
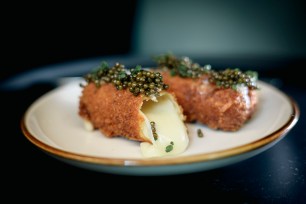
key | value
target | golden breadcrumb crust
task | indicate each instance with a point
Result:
(224, 109)
(114, 112)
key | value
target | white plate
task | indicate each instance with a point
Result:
(52, 124)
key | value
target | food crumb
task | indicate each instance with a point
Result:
(200, 133)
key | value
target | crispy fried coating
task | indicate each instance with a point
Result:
(113, 112)
(224, 109)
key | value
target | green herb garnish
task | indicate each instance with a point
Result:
(169, 148)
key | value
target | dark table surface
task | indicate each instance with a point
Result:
(275, 176)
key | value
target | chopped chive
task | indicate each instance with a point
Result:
(169, 148)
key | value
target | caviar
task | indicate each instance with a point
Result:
(153, 128)
(186, 68)
(200, 133)
(231, 78)
(183, 67)
(137, 81)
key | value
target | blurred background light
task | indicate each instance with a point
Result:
(219, 28)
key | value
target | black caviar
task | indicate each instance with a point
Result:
(200, 133)
(183, 67)
(232, 78)
(137, 81)
(186, 68)
(153, 128)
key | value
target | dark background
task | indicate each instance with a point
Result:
(49, 34)
(33, 36)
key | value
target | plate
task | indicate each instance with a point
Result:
(52, 124)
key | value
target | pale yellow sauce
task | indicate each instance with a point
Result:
(169, 127)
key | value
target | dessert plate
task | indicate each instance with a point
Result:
(53, 125)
